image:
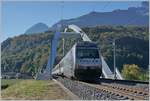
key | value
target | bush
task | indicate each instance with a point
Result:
(134, 72)
(131, 72)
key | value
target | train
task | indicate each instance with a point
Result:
(82, 62)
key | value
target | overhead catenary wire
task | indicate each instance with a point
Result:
(61, 13)
(61, 29)
(132, 20)
(107, 4)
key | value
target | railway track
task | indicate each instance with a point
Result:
(133, 91)
(105, 91)
(122, 92)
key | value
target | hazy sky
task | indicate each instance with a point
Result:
(17, 16)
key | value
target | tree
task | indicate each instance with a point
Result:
(131, 72)
(144, 75)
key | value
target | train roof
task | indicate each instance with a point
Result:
(86, 44)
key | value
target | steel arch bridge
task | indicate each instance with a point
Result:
(46, 75)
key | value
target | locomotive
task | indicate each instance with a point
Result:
(82, 62)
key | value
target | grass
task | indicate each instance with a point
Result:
(9, 81)
(33, 90)
(5, 83)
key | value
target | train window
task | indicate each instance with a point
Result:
(87, 53)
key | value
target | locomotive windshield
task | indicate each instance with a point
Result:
(87, 53)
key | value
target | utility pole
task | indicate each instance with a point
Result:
(63, 47)
(114, 58)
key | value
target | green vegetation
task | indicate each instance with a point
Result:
(133, 72)
(9, 81)
(34, 90)
(131, 44)
(29, 53)
(5, 83)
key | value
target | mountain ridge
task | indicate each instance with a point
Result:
(131, 16)
(37, 28)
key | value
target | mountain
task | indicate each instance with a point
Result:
(131, 16)
(29, 53)
(37, 28)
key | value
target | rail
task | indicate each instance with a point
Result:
(107, 90)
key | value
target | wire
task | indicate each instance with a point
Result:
(93, 9)
(133, 19)
(107, 4)
(62, 7)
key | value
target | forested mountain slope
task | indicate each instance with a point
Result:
(28, 53)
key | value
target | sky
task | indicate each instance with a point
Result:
(18, 16)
